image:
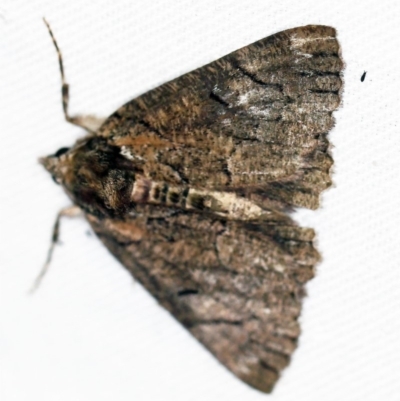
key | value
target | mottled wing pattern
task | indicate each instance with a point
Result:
(260, 115)
(255, 123)
(237, 286)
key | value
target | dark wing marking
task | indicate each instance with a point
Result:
(254, 121)
(237, 286)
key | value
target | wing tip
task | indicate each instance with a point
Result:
(261, 378)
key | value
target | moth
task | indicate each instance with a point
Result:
(190, 186)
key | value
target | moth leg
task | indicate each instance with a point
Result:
(71, 211)
(89, 123)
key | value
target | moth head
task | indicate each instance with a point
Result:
(94, 174)
(57, 164)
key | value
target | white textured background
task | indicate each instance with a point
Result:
(90, 333)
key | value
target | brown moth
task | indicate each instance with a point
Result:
(189, 186)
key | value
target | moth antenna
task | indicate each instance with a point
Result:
(72, 211)
(88, 123)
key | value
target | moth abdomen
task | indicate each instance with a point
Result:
(222, 203)
(159, 193)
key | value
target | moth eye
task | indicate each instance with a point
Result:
(55, 180)
(61, 151)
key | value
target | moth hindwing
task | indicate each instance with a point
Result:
(189, 185)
